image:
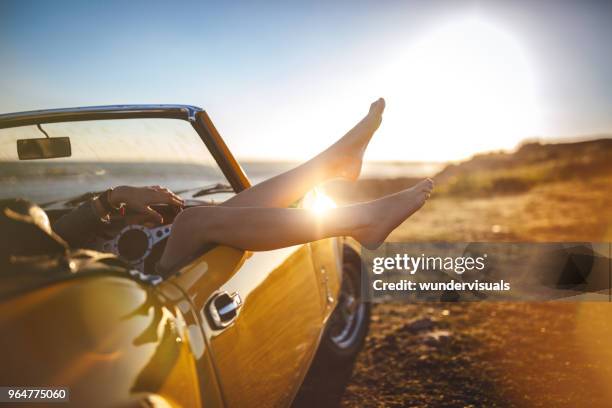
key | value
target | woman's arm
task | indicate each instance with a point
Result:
(79, 226)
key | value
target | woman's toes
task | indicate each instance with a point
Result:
(425, 185)
(429, 185)
(378, 106)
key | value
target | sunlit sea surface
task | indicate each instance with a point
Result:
(47, 181)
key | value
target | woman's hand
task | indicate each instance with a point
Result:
(139, 199)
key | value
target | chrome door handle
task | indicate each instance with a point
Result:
(222, 309)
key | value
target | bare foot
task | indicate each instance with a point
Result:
(387, 213)
(344, 158)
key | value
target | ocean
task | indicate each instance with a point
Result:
(46, 181)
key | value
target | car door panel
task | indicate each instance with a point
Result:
(120, 343)
(327, 261)
(210, 390)
(263, 355)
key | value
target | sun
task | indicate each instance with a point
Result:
(463, 87)
(318, 202)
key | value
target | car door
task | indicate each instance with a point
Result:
(262, 317)
(261, 313)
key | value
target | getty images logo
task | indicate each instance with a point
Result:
(412, 264)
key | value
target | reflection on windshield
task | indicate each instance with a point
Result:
(60, 181)
(109, 153)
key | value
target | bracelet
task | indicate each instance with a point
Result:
(104, 199)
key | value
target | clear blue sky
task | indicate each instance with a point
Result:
(282, 79)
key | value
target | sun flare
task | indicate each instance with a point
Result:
(318, 202)
(461, 88)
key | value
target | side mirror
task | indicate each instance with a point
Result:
(43, 148)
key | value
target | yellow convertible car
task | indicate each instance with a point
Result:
(100, 328)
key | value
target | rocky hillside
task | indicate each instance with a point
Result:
(499, 172)
(530, 165)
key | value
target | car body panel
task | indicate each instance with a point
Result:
(109, 339)
(327, 262)
(277, 329)
(210, 390)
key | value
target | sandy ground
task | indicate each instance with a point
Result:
(491, 354)
(461, 355)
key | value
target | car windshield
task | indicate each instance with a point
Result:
(109, 153)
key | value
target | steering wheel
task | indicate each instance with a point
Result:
(134, 243)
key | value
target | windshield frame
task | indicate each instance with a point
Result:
(196, 116)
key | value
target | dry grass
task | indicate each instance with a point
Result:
(552, 212)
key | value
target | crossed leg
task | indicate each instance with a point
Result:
(257, 219)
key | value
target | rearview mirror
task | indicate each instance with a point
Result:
(43, 148)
